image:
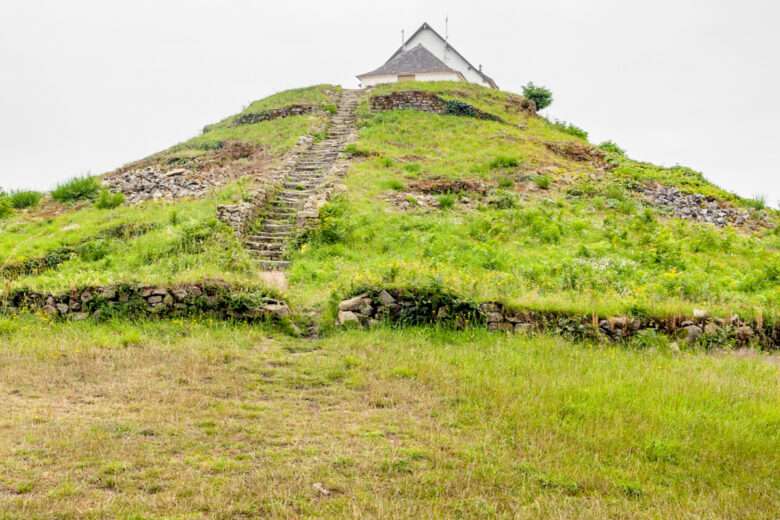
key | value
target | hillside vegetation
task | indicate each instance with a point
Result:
(119, 416)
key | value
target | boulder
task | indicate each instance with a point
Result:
(348, 318)
(745, 333)
(700, 315)
(385, 298)
(354, 304)
(693, 333)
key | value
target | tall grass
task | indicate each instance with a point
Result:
(80, 188)
(24, 199)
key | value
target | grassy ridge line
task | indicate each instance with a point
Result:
(397, 424)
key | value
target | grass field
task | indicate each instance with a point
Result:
(208, 420)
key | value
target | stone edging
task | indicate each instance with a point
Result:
(215, 298)
(427, 102)
(277, 113)
(421, 307)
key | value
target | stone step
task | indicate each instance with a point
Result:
(272, 226)
(274, 265)
(262, 238)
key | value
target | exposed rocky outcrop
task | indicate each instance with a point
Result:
(422, 307)
(427, 102)
(579, 152)
(210, 298)
(694, 206)
(170, 177)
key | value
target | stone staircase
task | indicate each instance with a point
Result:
(305, 177)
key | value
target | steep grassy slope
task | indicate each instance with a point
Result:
(552, 232)
(154, 242)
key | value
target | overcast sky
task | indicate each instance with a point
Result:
(88, 85)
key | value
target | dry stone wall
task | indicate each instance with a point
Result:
(269, 115)
(422, 307)
(210, 298)
(427, 102)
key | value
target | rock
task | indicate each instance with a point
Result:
(179, 294)
(50, 310)
(154, 300)
(79, 316)
(385, 298)
(348, 318)
(620, 322)
(322, 490)
(108, 293)
(279, 311)
(711, 329)
(693, 333)
(354, 304)
(523, 328)
(745, 333)
(495, 317)
(86, 297)
(489, 307)
(700, 315)
(503, 326)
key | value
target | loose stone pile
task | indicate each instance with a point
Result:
(155, 179)
(427, 102)
(212, 298)
(419, 307)
(699, 207)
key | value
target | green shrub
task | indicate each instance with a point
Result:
(24, 199)
(353, 151)
(330, 108)
(541, 96)
(395, 185)
(542, 181)
(76, 189)
(503, 162)
(758, 202)
(506, 182)
(5, 207)
(108, 200)
(570, 129)
(446, 201)
(611, 147)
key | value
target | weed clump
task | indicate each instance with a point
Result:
(76, 189)
(503, 162)
(108, 200)
(24, 199)
(542, 181)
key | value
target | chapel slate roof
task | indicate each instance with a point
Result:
(414, 61)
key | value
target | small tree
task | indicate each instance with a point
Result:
(541, 96)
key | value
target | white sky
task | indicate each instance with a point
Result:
(88, 85)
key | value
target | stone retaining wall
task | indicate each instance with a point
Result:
(209, 298)
(427, 102)
(269, 115)
(420, 307)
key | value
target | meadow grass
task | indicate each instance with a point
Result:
(207, 419)
(183, 242)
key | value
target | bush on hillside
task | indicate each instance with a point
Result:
(5, 207)
(541, 96)
(76, 189)
(611, 147)
(108, 200)
(24, 199)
